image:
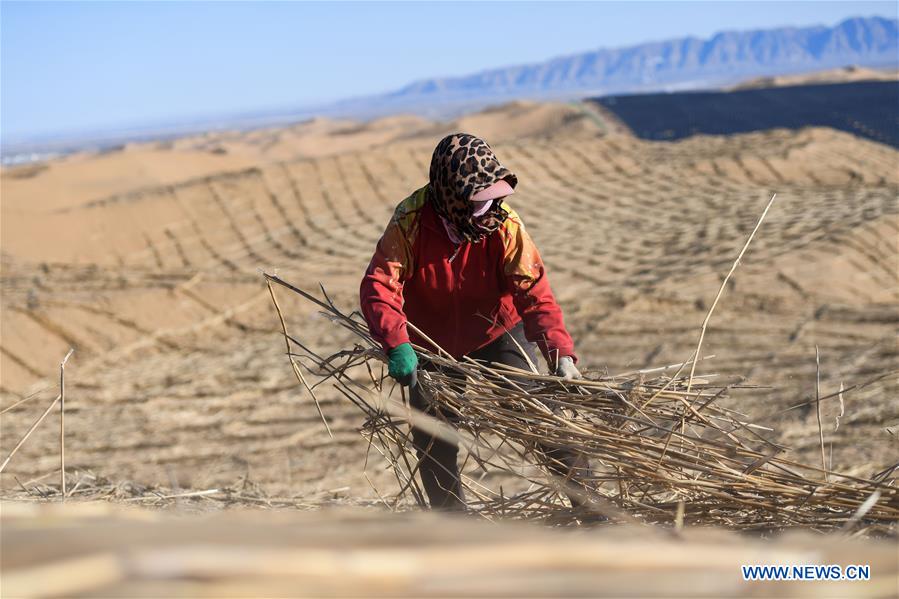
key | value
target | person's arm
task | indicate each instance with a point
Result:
(526, 279)
(381, 291)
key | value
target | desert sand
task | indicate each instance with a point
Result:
(355, 553)
(841, 75)
(147, 261)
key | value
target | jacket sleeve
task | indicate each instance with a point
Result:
(381, 292)
(526, 279)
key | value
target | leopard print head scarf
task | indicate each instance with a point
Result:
(461, 166)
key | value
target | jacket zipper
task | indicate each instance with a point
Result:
(456, 283)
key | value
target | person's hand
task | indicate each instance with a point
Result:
(566, 369)
(402, 363)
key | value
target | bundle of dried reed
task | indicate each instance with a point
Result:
(661, 446)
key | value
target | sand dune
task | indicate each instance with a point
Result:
(147, 261)
(79, 179)
(842, 75)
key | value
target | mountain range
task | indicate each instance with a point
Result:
(672, 65)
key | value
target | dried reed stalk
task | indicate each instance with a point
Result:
(62, 423)
(721, 470)
(818, 410)
(28, 434)
(708, 316)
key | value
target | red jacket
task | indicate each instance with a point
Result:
(461, 302)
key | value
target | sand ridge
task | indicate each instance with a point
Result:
(841, 75)
(152, 273)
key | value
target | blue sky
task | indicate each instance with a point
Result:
(81, 66)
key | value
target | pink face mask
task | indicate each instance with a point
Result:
(480, 208)
(481, 203)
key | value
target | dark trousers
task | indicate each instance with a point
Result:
(438, 459)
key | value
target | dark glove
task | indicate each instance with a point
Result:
(566, 369)
(402, 364)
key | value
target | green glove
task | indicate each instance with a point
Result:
(403, 363)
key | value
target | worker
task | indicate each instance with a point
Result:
(457, 262)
